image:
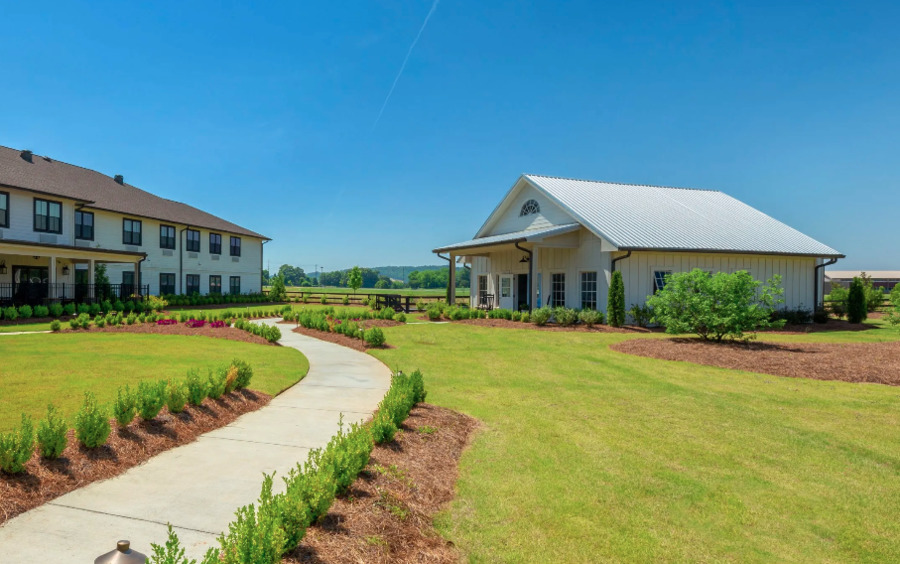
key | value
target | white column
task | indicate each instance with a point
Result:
(52, 279)
(91, 291)
(535, 269)
(452, 296)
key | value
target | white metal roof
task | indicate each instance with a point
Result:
(529, 235)
(636, 217)
(874, 274)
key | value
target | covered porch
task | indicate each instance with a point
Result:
(508, 274)
(40, 274)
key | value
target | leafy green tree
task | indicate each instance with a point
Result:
(716, 306)
(894, 314)
(615, 303)
(837, 300)
(354, 278)
(277, 292)
(874, 296)
(856, 301)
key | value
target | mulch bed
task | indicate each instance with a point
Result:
(387, 514)
(831, 325)
(507, 324)
(229, 333)
(849, 362)
(45, 480)
(338, 339)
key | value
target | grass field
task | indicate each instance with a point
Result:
(38, 369)
(588, 455)
(25, 326)
(434, 292)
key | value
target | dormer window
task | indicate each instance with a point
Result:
(530, 207)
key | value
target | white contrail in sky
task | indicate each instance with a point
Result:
(403, 66)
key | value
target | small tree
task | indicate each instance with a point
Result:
(101, 281)
(354, 278)
(894, 314)
(716, 306)
(856, 301)
(277, 292)
(615, 304)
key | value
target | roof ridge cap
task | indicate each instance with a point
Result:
(623, 183)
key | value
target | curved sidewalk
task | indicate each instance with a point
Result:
(198, 486)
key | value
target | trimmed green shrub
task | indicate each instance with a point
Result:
(244, 374)
(857, 310)
(374, 337)
(151, 396)
(118, 306)
(94, 309)
(217, 382)
(345, 300)
(615, 301)
(565, 316)
(526, 317)
(100, 321)
(171, 553)
(400, 317)
(387, 313)
(106, 306)
(434, 312)
(41, 311)
(323, 300)
(421, 305)
(51, 434)
(894, 313)
(517, 316)
(10, 313)
(124, 408)
(16, 447)
(83, 309)
(176, 396)
(716, 306)
(91, 423)
(383, 428)
(820, 315)
(55, 310)
(795, 316)
(541, 315)
(55, 325)
(256, 535)
(69, 309)
(641, 314)
(74, 324)
(197, 388)
(590, 317)
(131, 319)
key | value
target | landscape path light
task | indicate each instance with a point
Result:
(123, 554)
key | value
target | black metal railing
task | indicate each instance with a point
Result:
(40, 293)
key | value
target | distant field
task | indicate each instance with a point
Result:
(434, 292)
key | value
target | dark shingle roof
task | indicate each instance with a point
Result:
(102, 192)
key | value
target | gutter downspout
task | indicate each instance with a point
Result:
(816, 282)
(261, 251)
(530, 275)
(181, 260)
(447, 297)
(612, 266)
(138, 281)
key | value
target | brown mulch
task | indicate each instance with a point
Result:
(832, 325)
(387, 514)
(44, 480)
(849, 362)
(338, 339)
(507, 324)
(229, 333)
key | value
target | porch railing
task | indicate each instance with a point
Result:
(38, 293)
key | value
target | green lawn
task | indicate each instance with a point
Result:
(25, 326)
(38, 369)
(434, 292)
(588, 455)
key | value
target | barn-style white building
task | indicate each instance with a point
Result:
(556, 241)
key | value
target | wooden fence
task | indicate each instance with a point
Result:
(405, 303)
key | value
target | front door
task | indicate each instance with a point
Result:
(30, 284)
(507, 300)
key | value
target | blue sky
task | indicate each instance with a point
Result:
(268, 116)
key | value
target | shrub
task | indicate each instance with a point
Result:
(716, 306)
(41, 311)
(615, 304)
(119, 306)
(345, 300)
(129, 306)
(176, 396)
(856, 302)
(151, 396)
(16, 447)
(124, 408)
(55, 310)
(55, 325)
(820, 315)
(796, 316)
(434, 311)
(256, 535)
(400, 317)
(83, 308)
(323, 300)
(10, 313)
(91, 425)
(874, 296)
(244, 374)
(526, 316)
(374, 337)
(197, 388)
(51, 434)
(100, 321)
(131, 318)
(517, 316)
(386, 313)
(69, 309)
(277, 292)
(74, 324)
(565, 316)
(894, 313)
(383, 428)
(421, 305)
(590, 317)
(641, 314)
(541, 315)
(94, 309)
(171, 553)
(217, 382)
(106, 306)
(25, 312)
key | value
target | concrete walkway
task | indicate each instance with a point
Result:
(198, 486)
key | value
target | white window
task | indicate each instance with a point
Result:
(659, 279)
(482, 289)
(589, 290)
(558, 290)
(530, 207)
(505, 286)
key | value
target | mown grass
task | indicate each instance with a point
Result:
(38, 369)
(588, 455)
(25, 326)
(427, 292)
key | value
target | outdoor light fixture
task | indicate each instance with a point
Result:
(525, 258)
(2, 267)
(66, 270)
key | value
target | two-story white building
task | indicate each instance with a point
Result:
(57, 221)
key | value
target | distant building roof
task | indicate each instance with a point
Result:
(874, 274)
(638, 217)
(98, 191)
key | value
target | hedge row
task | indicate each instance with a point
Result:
(349, 326)
(104, 307)
(92, 423)
(263, 532)
(270, 333)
